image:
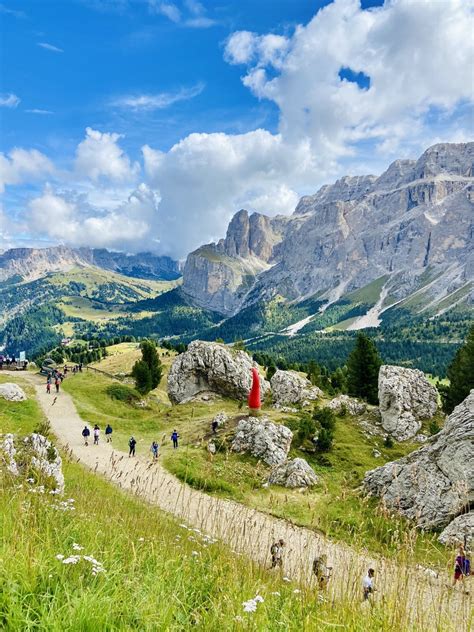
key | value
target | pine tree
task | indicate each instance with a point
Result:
(363, 366)
(142, 375)
(152, 360)
(461, 375)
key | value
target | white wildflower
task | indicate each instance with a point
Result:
(259, 598)
(276, 593)
(286, 579)
(141, 539)
(77, 547)
(250, 605)
(59, 556)
(194, 553)
(296, 591)
(73, 559)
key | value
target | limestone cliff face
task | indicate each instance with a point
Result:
(412, 224)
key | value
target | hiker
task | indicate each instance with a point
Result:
(57, 382)
(96, 434)
(131, 444)
(276, 551)
(48, 386)
(322, 571)
(108, 433)
(154, 450)
(174, 438)
(86, 434)
(462, 566)
(368, 583)
(214, 426)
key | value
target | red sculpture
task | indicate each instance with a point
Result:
(254, 395)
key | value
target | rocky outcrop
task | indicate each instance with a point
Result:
(459, 531)
(35, 457)
(406, 398)
(343, 402)
(289, 387)
(294, 473)
(263, 439)
(209, 367)
(433, 484)
(12, 392)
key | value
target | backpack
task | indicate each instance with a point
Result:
(466, 567)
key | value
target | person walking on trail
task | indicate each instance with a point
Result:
(108, 433)
(322, 571)
(462, 566)
(174, 438)
(131, 444)
(48, 386)
(368, 583)
(96, 434)
(214, 426)
(154, 450)
(57, 382)
(86, 433)
(276, 551)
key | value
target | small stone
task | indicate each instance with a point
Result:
(12, 392)
(376, 453)
(294, 473)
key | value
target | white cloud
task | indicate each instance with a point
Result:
(168, 9)
(9, 100)
(99, 156)
(38, 111)
(23, 165)
(158, 101)
(245, 47)
(50, 47)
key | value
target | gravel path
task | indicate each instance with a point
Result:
(250, 532)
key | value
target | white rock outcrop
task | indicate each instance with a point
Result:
(459, 531)
(263, 439)
(351, 404)
(210, 367)
(294, 473)
(12, 392)
(406, 398)
(289, 387)
(435, 483)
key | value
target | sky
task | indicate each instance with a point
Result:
(144, 125)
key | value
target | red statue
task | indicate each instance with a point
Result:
(254, 395)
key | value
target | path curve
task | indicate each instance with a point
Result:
(251, 532)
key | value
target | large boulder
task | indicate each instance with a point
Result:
(289, 387)
(294, 473)
(459, 531)
(433, 484)
(12, 392)
(209, 367)
(263, 439)
(406, 398)
(351, 404)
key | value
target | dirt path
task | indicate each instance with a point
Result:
(250, 532)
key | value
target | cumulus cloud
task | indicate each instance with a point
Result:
(160, 101)
(99, 156)
(23, 165)
(38, 111)
(9, 100)
(168, 9)
(50, 47)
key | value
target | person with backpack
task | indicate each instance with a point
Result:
(96, 434)
(276, 551)
(462, 566)
(174, 438)
(154, 450)
(322, 571)
(131, 444)
(48, 386)
(86, 434)
(108, 433)
(368, 584)
(214, 426)
(57, 382)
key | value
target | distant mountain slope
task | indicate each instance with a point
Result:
(412, 227)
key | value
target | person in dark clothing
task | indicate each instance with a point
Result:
(131, 444)
(57, 382)
(174, 438)
(86, 434)
(214, 426)
(108, 433)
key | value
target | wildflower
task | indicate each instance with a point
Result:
(141, 539)
(250, 605)
(286, 579)
(259, 598)
(77, 547)
(276, 593)
(30, 480)
(73, 559)
(59, 556)
(296, 591)
(194, 553)
(238, 618)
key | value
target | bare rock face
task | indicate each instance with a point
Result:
(433, 484)
(459, 531)
(209, 367)
(294, 473)
(351, 404)
(288, 387)
(406, 398)
(12, 392)
(263, 439)
(34, 455)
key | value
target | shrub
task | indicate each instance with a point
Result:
(122, 393)
(434, 427)
(388, 442)
(306, 429)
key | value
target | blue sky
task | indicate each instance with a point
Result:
(145, 124)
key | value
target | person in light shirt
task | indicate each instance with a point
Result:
(368, 583)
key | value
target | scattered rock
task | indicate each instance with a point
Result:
(459, 531)
(287, 409)
(434, 483)
(211, 368)
(12, 392)
(351, 404)
(294, 473)
(221, 419)
(421, 438)
(263, 439)
(376, 453)
(211, 447)
(34, 453)
(406, 398)
(289, 387)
